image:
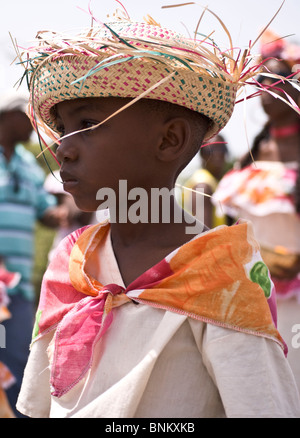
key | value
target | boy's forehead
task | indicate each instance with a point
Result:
(103, 109)
(89, 104)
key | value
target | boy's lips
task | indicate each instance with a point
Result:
(69, 181)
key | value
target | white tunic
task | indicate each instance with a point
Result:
(152, 363)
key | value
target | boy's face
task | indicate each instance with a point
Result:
(121, 148)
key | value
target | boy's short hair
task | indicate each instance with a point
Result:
(193, 117)
(199, 124)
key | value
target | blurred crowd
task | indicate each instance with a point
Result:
(263, 186)
(25, 198)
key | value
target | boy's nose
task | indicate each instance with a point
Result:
(67, 149)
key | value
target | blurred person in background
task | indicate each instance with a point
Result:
(266, 188)
(23, 200)
(214, 164)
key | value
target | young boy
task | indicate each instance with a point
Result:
(137, 318)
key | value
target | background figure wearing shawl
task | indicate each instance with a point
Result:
(136, 319)
(22, 201)
(267, 192)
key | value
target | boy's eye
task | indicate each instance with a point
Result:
(86, 124)
(61, 130)
(89, 124)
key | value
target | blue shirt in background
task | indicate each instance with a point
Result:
(23, 200)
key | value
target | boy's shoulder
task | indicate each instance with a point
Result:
(70, 240)
(79, 243)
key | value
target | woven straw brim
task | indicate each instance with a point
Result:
(53, 82)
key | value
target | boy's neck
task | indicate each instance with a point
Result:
(172, 225)
(138, 247)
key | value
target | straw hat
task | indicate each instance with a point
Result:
(134, 60)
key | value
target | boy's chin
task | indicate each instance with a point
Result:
(85, 205)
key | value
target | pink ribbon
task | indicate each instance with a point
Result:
(75, 338)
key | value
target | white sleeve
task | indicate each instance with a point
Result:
(252, 374)
(35, 398)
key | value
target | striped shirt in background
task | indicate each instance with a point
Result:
(23, 200)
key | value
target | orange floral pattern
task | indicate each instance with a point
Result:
(211, 282)
(208, 278)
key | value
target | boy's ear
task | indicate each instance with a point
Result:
(175, 139)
